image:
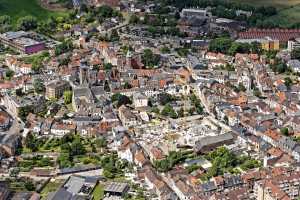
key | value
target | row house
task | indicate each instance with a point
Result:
(59, 129)
(154, 181)
(109, 121)
(17, 66)
(36, 103)
(179, 180)
(129, 150)
(294, 123)
(289, 146)
(272, 137)
(283, 186)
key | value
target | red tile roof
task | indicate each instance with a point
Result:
(282, 35)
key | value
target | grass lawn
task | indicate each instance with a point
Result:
(50, 187)
(98, 192)
(21, 8)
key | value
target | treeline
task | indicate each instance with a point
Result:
(228, 46)
(227, 9)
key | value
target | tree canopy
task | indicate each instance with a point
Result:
(39, 86)
(120, 99)
(150, 59)
(27, 23)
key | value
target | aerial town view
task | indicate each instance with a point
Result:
(149, 99)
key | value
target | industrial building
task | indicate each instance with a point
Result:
(23, 42)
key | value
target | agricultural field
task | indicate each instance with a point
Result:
(20, 8)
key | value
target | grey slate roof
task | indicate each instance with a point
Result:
(208, 187)
(288, 142)
(209, 140)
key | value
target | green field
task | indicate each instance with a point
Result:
(288, 10)
(280, 4)
(21, 8)
(98, 192)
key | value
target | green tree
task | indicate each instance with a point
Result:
(24, 111)
(39, 86)
(105, 11)
(288, 82)
(183, 52)
(181, 112)
(108, 66)
(127, 85)
(64, 160)
(295, 54)
(241, 87)
(155, 110)
(284, 131)
(169, 111)
(250, 164)
(256, 48)
(279, 67)
(64, 61)
(108, 174)
(165, 50)
(256, 93)
(134, 19)
(14, 172)
(64, 47)
(37, 62)
(199, 110)
(220, 45)
(165, 98)
(229, 67)
(120, 99)
(237, 47)
(115, 97)
(68, 97)
(77, 148)
(31, 142)
(9, 74)
(106, 86)
(27, 23)
(123, 100)
(149, 59)
(101, 142)
(29, 185)
(36, 65)
(5, 23)
(114, 36)
(19, 92)
(5, 19)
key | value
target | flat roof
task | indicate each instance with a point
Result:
(194, 10)
(116, 187)
(24, 41)
(13, 35)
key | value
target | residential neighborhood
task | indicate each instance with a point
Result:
(141, 100)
